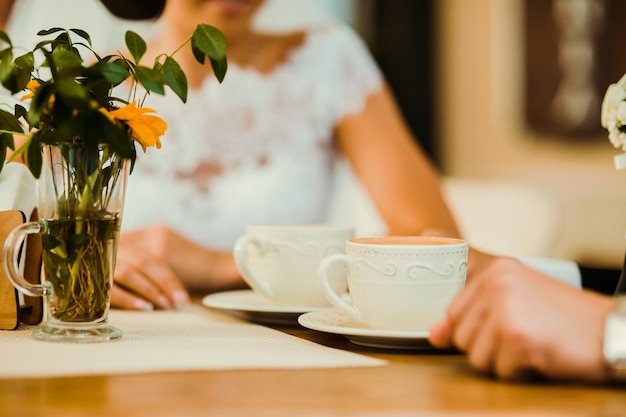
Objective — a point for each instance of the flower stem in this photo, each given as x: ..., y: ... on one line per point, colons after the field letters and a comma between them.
x: 181, y: 45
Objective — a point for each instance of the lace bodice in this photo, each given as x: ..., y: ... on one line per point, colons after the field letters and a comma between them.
x: 256, y: 149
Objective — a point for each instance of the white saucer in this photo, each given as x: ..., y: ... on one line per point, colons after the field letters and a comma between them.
x: 334, y: 321
x: 255, y: 308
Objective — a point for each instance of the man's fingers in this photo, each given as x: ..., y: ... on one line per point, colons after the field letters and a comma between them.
x: 440, y: 335
x: 484, y: 342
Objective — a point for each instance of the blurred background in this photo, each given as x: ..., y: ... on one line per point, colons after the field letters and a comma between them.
x: 496, y: 91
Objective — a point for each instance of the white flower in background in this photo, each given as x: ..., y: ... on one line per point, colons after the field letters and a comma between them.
x: 613, y: 118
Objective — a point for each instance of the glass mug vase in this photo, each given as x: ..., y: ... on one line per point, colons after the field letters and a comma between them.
x: 80, y: 200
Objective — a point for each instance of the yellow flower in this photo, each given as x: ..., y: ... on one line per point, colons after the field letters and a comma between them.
x: 32, y: 86
x: 145, y: 128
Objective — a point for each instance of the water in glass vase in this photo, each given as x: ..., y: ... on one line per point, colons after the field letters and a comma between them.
x: 78, y: 263
x: 78, y: 260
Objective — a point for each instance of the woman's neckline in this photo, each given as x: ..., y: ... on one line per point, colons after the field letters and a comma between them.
x: 295, y: 47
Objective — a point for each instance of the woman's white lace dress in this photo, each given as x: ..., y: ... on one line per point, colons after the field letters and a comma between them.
x: 256, y: 149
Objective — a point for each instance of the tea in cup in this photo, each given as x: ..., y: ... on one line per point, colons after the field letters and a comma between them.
x: 398, y: 283
x: 280, y: 262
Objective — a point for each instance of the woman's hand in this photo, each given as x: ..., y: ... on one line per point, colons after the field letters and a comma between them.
x: 514, y: 321
x: 155, y: 265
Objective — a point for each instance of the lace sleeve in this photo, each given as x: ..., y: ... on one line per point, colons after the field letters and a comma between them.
x: 355, y: 74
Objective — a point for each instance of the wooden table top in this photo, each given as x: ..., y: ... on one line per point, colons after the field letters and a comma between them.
x: 432, y: 383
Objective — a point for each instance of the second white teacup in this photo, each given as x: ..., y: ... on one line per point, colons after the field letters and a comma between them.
x: 280, y: 261
x: 398, y: 283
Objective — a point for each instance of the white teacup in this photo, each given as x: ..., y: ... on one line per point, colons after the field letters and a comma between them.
x: 398, y: 283
x: 280, y: 262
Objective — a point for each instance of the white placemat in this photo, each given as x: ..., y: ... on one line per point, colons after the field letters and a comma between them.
x: 190, y: 340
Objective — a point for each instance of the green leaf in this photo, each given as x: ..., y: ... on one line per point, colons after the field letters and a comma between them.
x: 39, y: 102
x: 65, y: 60
x: 34, y: 158
x: 41, y: 44
x: 23, y: 68
x: 136, y: 45
x: 114, y: 72
x: 8, y: 72
x: 64, y: 132
x: 5, y: 38
x: 210, y: 41
x: 3, y: 155
x: 49, y: 242
x: 10, y: 83
x: 116, y: 137
x: 197, y: 53
x: 150, y: 79
x: 20, y: 111
x: 157, y: 65
x: 219, y: 68
x: 55, y: 247
x: 175, y: 78
x: 62, y: 40
x: 26, y: 61
x: 133, y: 157
x: 70, y: 89
x: 6, y: 65
x: 50, y: 31
x: 7, y: 122
x: 78, y: 241
x: 82, y: 34
x: 10, y: 122
x: 6, y: 141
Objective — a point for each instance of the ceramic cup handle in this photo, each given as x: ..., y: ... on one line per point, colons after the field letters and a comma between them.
x: 240, y: 253
x: 13, y: 246
x: 331, y: 295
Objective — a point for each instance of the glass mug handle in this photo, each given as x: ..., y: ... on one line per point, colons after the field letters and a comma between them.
x: 331, y: 295
x: 10, y: 259
x: 240, y: 253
